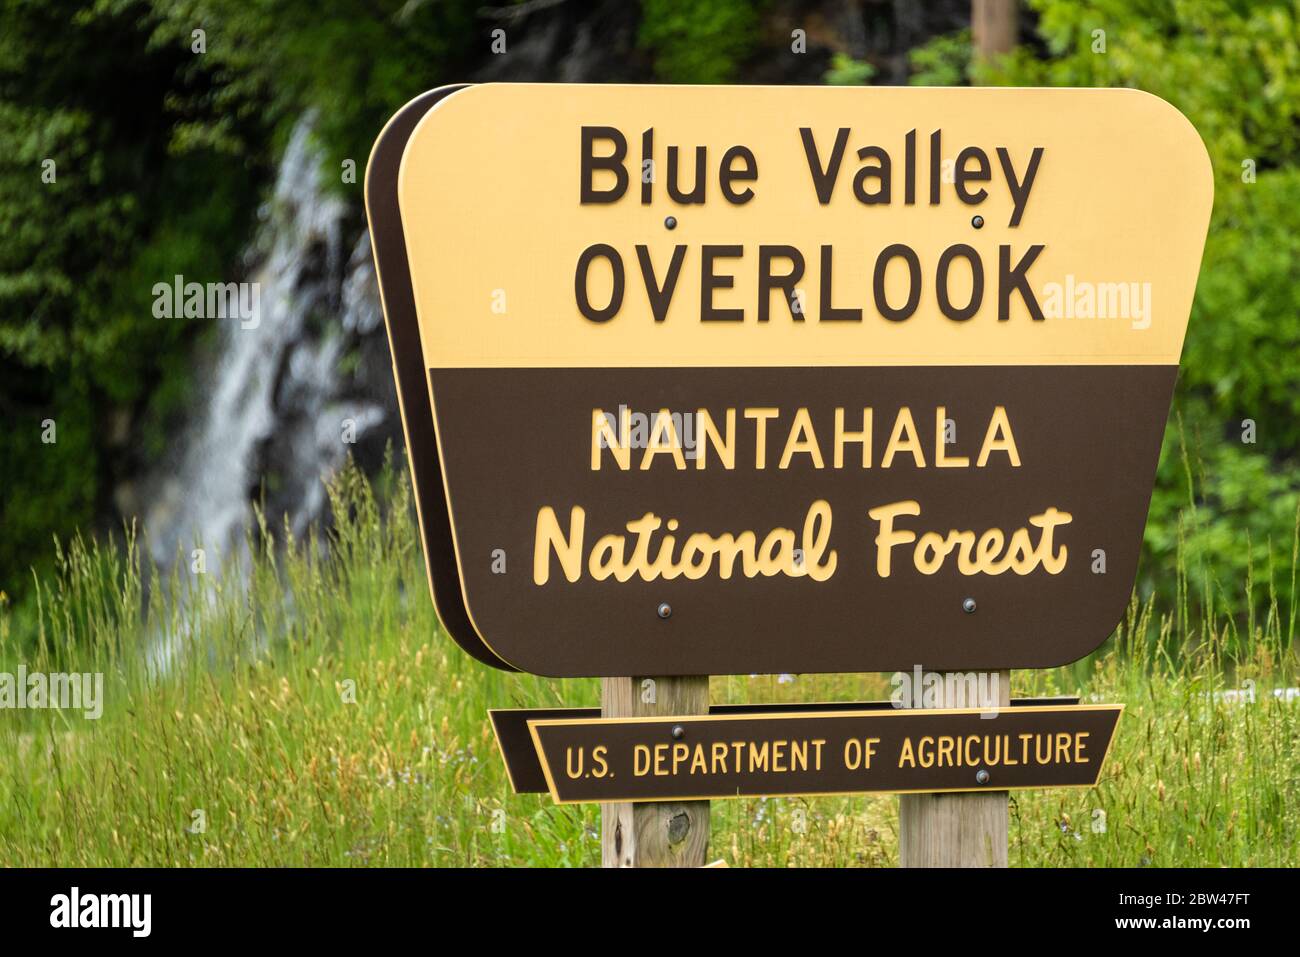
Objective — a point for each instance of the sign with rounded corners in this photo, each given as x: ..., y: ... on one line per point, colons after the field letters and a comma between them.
x: 747, y: 379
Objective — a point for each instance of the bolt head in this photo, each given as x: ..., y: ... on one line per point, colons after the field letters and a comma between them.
x: 968, y: 606
x: 981, y: 776
x: 977, y: 222
x: 671, y: 222
x: 664, y: 610
x: 678, y: 732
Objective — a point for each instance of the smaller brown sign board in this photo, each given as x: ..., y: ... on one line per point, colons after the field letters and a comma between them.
x: 524, y: 765
x: 774, y: 754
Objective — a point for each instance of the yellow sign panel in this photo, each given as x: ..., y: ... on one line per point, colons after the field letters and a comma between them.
x: 650, y: 226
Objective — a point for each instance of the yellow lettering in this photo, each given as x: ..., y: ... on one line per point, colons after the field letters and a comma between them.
x: 760, y: 417
x: 843, y: 438
x: 708, y: 435
x: 802, y: 438
x: 602, y: 436
x: 941, y: 460
x: 663, y: 438
x: 568, y: 551
x: 999, y: 426
x: 897, y: 443
x: 887, y: 538
x: 906, y: 757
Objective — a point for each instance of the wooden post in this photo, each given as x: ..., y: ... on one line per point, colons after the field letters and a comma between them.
x: 654, y: 833
x: 993, y: 27
x: 955, y: 830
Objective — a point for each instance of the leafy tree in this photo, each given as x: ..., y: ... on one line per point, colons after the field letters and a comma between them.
x: 698, y: 41
x: 354, y: 62
x: 846, y: 71
x: 91, y: 185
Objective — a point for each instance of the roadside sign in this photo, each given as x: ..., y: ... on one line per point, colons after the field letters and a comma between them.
x: 732, y: 380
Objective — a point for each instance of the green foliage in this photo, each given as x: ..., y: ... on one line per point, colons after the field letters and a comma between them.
x: 47, y: 486
x: 1233, y: 68
x: 98, y: 201
x: 846, y: 71
x: 1226, y: 517
x: 944, y: 61
x: 1242, y: 344
x: 698, y: 41
x: 87, y: 91
x: 355, y: 63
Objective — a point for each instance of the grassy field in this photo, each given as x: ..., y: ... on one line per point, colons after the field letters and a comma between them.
x: 318, y: 716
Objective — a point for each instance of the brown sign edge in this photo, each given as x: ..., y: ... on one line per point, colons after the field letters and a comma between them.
x: 1117, y: 709
x: 393, y: 272
x: 515, y: 743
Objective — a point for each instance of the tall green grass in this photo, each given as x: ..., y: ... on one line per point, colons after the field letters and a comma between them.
x: 315, y: 714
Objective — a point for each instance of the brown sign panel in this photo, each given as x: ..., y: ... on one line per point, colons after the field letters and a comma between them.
x: 823, y: 752
x: 731, y: 380
x: 1087, y: 438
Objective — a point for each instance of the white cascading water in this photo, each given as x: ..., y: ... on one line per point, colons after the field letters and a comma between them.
x: 269, y: 392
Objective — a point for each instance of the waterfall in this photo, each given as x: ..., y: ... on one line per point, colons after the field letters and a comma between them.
x: 287, y: 392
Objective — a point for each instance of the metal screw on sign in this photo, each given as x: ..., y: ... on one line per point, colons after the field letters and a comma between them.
x: 671, y: 222
x: 981, y: 776
x: 664, y: 610
x: 968, y: 606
